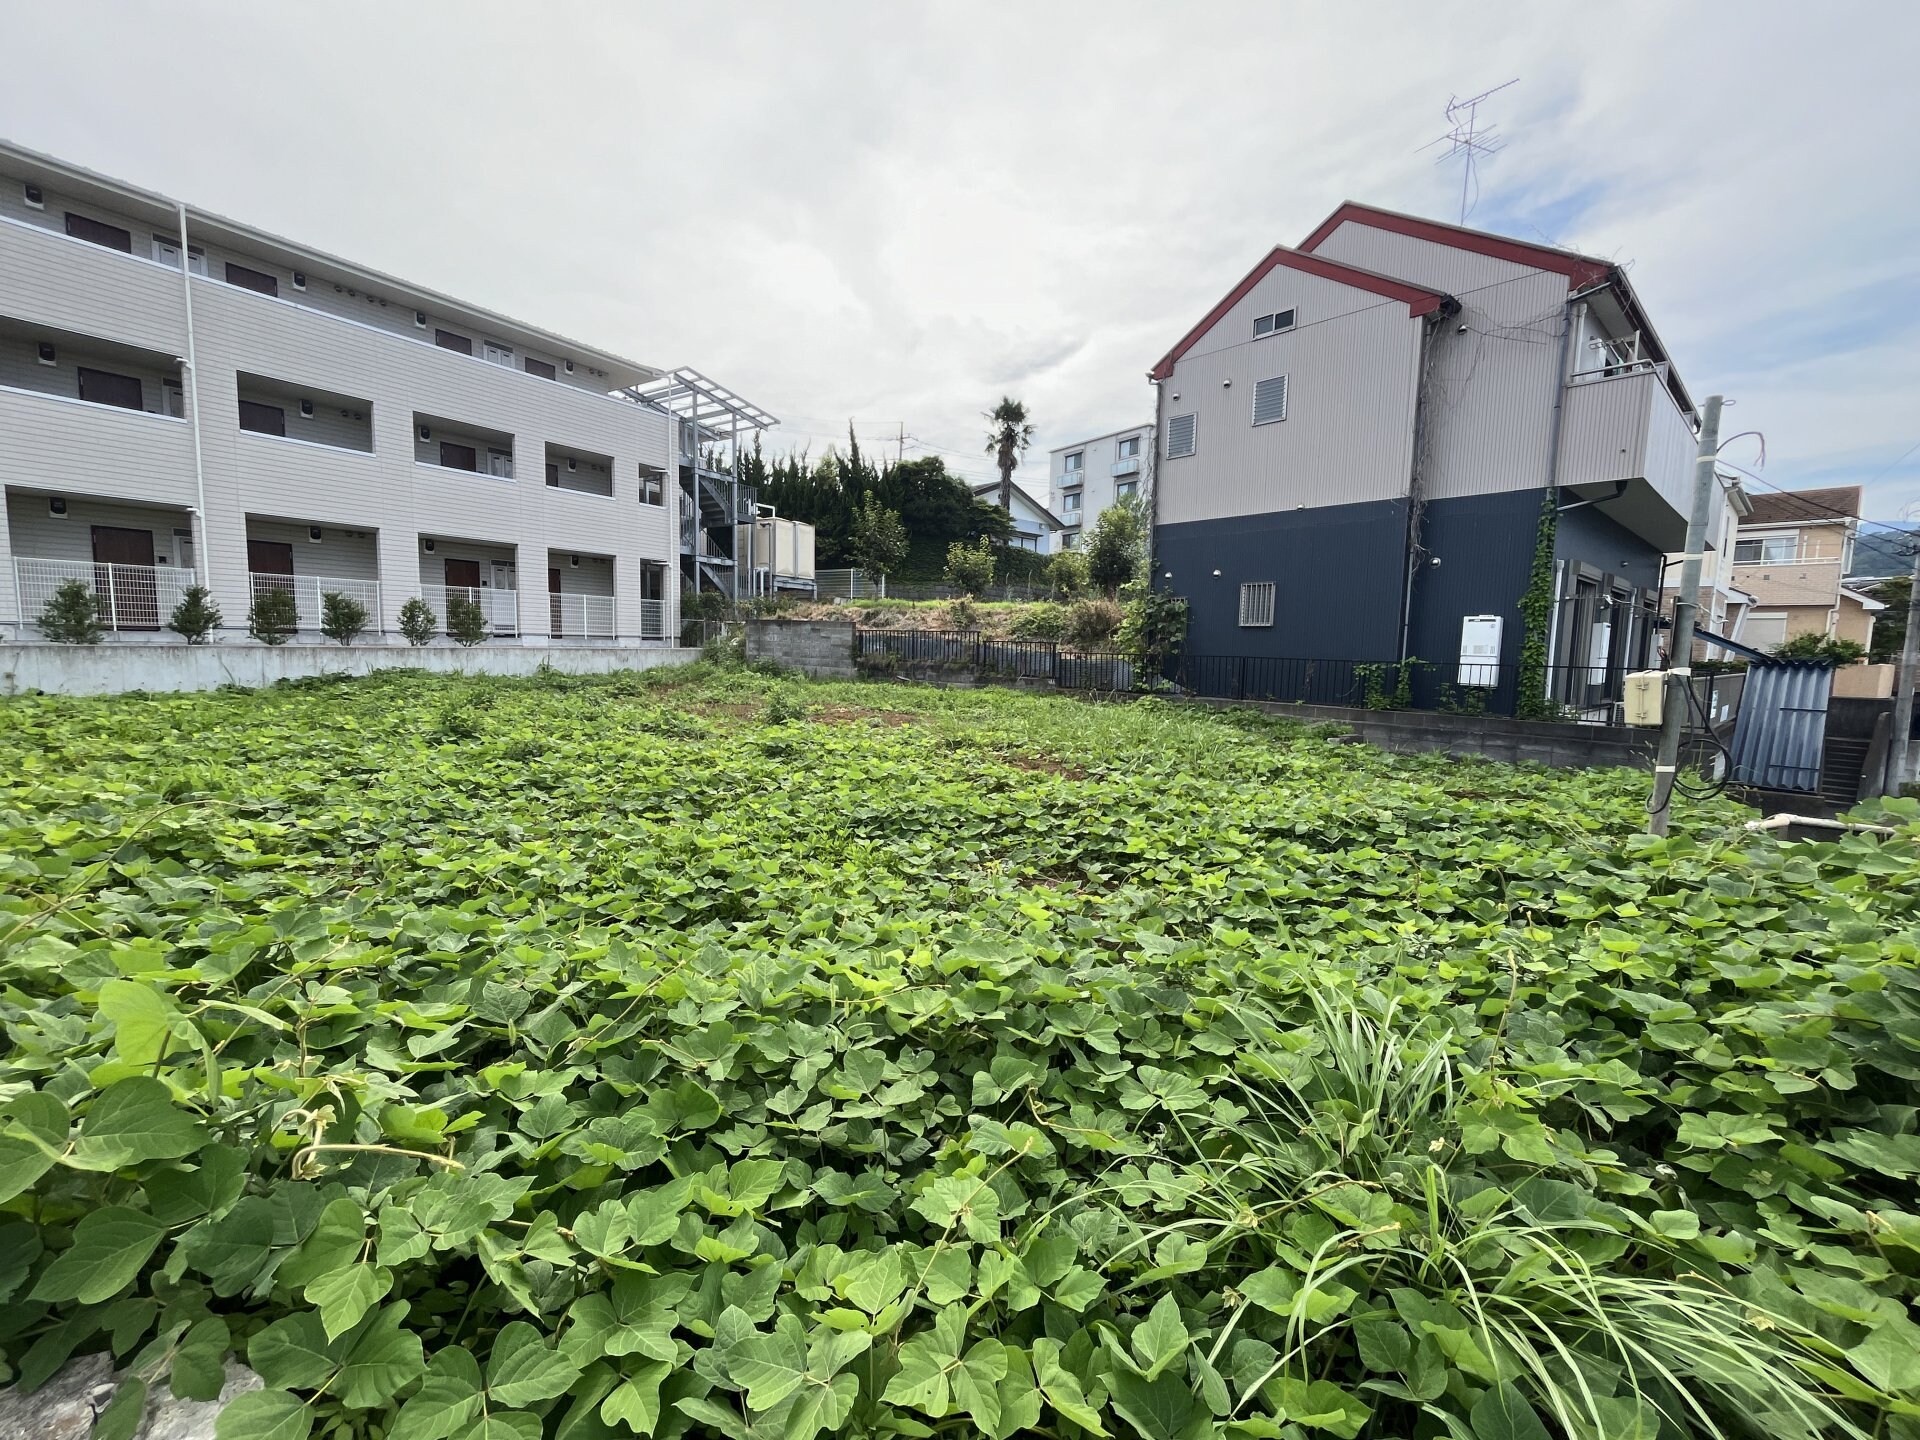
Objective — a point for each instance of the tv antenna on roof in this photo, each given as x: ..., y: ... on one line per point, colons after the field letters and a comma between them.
x: 1469, y: 142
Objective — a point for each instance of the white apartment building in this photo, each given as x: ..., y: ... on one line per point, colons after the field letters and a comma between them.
x: 1086, y: 477
x: 185, y: 397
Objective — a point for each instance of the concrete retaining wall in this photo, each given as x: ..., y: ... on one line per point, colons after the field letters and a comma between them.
x: 113, y: 669
x: 822, y: 649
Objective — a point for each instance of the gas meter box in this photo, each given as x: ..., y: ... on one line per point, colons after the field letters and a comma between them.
x: 1645, y: 702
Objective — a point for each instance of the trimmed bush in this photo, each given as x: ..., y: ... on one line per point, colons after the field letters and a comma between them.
x: 272, y: 618
x: 466, y: 621
x: 73, y: 615
x: 418, y: 622
x: 341, y: 617
x: 196, y: 616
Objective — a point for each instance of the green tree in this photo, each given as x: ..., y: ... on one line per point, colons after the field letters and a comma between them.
x: 1116, y: 548
x: 418, y: 622
x: 1821, y: 647
x: 341, y: 617
x: 73, y: 615
x: 272, y: 618
x: 970, y: 566
x: 879, y: 541
x: 466, y: 621
x: 196, y: 616
x: 1067, y: 572
x: 1009, y: 433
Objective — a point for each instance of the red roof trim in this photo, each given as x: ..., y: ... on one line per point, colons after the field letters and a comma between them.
x: 1417, y: 299
x: 1580, y: 270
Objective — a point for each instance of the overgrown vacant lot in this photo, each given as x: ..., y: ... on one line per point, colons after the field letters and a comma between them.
x: 713, y: 1054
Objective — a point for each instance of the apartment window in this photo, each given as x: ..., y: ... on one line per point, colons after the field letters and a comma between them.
x: 459, y: 457
x: 553, y: 475
x: 1767, y: 550
x: 1070, y: 503
x: 1270, y: 400
x: 262, y: 419
x: 1069, y: 538
x: 1127, y: 449
x: 1075, y: 462
x: 497, y: 354
x: 98, y: 232
x: 447, y: 340
x: 539, y: 367
x: 249, y: 279
x: 1181, y: 434
x: 1126, y: 489
x: 103, y: 387
x: 653, y: 485
x: 1256, y: 604
x: 1272, y: 324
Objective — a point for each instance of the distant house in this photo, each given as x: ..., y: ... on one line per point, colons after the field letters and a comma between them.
x: 1792, y: 554
x: 1087, y: 476
x: 1358, y: 442
x: 1034, y: 526
x: 1723, y: 605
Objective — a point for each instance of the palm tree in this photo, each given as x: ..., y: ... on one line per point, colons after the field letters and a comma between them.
x: 1008, y: 437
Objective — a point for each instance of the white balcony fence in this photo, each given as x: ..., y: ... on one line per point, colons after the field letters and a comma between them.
x: 501, y: 606
x: 581, y: 617
x: 307, y: 591
x: 132, y: 597
x: 1128, y: 466
x: 653, y: 619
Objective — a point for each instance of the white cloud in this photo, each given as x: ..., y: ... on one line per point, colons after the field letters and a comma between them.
x: 896, y: 213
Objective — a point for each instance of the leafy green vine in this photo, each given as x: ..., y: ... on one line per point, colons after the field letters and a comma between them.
x: 1536, y: 617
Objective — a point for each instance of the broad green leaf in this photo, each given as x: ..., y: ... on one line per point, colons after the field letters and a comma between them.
x: 293, y: 1353
x: 1062, y: 1388
x: 345, y: 1295
x: 523, y: 1370
x: 771, y: 1367
x: 264, y: 1415
x: 123, y: 1413
x: 1159, y: 1409
x: 819, y: 1407
x: 448, y: 1398
x: 143, y: 1020
x: 131, y: 1121
x: 963, y: 1200
x: 1160, y: 1339
x: 109, y: 1247
x: 1502, y: 1413
x: 33, y: 1131
x: 635, y: 1402
x: 382, y: 1360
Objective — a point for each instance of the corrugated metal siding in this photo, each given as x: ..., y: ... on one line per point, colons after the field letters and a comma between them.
x: 1627, y: 427
x: 1490, y: 416
x: 1780, y: 736
x: 1348, y: 436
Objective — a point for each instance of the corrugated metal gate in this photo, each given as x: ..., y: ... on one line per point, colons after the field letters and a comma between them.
x: 1780, y: 737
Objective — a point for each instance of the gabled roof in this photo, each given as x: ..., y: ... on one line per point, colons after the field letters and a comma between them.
x: 1580, y: 270
x: 992, y: 487
x: 1802, y: 507
x: 1417, y: 298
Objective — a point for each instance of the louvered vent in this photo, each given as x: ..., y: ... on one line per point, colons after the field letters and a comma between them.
x: 1270, y: 400
x: 1180, y: 435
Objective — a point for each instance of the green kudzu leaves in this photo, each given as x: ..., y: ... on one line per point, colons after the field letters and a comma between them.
x: 582, y: 1069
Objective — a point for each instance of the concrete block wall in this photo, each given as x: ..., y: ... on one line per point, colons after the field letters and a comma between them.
x: 822, y: 649
x: 116, y: 669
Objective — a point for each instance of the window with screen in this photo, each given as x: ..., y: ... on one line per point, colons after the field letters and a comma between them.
x: 1256, y: 604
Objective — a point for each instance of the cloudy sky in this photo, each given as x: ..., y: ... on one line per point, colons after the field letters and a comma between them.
x: 895, y: 213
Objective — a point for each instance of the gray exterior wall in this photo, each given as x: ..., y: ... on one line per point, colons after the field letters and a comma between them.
x: 1351, y: 361
x: 50, y: 444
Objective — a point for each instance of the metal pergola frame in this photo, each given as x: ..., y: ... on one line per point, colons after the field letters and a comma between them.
x: 718, y: 416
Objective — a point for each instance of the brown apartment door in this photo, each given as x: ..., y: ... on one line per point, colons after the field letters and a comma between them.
x: 553, y: 599
x: 123, y: 577
x: 463, y: 574
x: 271, y: 563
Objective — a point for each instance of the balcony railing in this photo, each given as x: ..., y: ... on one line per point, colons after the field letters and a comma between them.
x: 1128, y: 466
x: 308, y: 590
x: 653, y: 619
x: 132, y: 597
x: 500, y: 605
x: 581, y: 617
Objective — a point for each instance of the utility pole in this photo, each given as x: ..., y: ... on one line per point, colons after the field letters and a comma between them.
x: 1677, y: 695
x: 901, y: 459
x: 1904, y: 680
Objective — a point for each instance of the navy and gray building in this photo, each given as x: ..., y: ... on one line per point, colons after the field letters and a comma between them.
x: 1357, y: 445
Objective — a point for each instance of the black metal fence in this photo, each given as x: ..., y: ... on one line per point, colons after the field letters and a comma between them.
x: 1006, y: 659
x: 1581, y: 694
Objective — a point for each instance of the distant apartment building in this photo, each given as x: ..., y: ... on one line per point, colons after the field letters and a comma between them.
x: 1034, y: 526
x: 1792, y: 554
x: 1086, y: 477
x: 186, y: 398
x: 1358, y: 445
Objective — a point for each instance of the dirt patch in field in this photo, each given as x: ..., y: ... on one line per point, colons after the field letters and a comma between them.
x: 860, y: 715
x: 1045, y: 765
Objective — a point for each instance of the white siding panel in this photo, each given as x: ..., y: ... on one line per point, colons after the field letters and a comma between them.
x: 67, y: 446
x: 1352, y: 361
x: 71, y: 285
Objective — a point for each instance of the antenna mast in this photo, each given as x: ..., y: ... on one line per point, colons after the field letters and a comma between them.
x: 1467, y: 141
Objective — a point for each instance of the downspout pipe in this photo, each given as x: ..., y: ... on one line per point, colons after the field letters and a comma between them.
x: 1414, y: 477
x: 202, y: 556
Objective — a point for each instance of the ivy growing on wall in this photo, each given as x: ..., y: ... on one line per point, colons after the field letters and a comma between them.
x: 1536, y: 617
